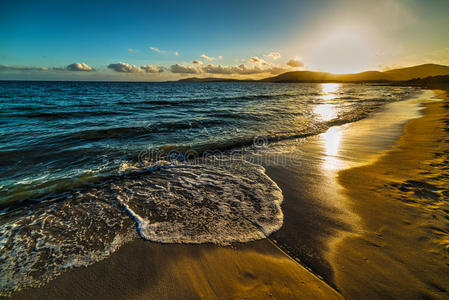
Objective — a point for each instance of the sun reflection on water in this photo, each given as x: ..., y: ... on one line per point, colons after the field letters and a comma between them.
x: 328, y: 90
x: 326, y: 112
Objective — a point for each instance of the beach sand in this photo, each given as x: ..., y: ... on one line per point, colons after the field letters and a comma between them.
x: 346, y: 230
x: 402, y: 251
x: 144, y: 270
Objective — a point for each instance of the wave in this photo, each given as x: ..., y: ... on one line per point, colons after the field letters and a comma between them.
x: 177, y: 203
x: 134, y: 131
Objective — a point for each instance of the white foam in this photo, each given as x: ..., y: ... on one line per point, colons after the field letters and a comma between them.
x: 233, y: 202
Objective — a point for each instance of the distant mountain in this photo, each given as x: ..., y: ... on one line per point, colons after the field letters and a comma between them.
x: 212, y: 79
x: 402, y: 74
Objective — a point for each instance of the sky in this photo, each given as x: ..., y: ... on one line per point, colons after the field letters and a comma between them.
x: 169, y: 40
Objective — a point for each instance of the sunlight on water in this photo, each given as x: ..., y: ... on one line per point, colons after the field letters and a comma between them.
x: 328, y: 90
x: 326, y: 112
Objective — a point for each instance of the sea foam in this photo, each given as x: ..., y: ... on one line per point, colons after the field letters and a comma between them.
x: 179, y: 203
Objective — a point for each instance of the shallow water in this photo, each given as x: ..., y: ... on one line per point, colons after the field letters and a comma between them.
x: 93, y: 162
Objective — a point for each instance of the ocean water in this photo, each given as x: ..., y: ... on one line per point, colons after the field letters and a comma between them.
x: 87, y: 166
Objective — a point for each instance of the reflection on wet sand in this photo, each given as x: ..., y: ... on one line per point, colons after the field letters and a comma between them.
x: 331, y: 143
x: 385, y: 190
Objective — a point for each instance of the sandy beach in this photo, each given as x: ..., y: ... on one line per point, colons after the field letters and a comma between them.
x: 143, y: 270
x: 402, y: 199
x: 365, y: 217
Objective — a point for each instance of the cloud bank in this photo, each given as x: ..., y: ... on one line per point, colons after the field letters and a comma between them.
x: 255, y: 65
x: 72, y: 67
x: 122, y: 67
x: 21, y: 68
x: 182, y: 69
x: 242, y: 69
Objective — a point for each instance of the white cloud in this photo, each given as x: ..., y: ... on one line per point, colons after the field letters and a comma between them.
x: 181, y: 69
x: 197, y: 62
x: 127, y: 68
x: 80, y: 67
x: 155, y: 49
x: 130, y: 50
x: 295, y: 63
x: 274, y: 55
x: 176, y: 53
x: 220, y: 57
x: 205, y: 57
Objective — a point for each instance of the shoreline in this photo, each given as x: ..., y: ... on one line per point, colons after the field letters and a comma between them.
x: 144, y: 269
x: 402, y: 200
x: 317, y: 212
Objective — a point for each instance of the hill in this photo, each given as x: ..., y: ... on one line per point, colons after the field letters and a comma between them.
x: 402, y: 74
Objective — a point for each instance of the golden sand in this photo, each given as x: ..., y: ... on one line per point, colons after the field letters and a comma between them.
x: 145, y: 270
x: 402, y: 198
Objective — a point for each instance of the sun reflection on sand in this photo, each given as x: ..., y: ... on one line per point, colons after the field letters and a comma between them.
x: 331, y: 142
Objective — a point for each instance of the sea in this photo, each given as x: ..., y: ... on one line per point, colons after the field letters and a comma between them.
x: 86, y: 167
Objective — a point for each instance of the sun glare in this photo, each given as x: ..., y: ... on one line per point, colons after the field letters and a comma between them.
x: 341, y: 52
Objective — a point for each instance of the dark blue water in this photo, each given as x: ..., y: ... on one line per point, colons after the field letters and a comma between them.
x: 79, y: 157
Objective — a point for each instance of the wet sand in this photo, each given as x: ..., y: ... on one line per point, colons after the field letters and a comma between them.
x: 402, y: 249
x: 342, y: 229
x: 144, y: 270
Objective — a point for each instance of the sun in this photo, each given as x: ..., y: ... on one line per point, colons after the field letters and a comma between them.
x: 341, y: 52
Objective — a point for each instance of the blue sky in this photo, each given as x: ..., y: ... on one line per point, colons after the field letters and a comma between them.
x: 336, y: 36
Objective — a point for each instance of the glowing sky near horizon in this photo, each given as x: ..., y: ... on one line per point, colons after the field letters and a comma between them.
x: 162, y: 40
